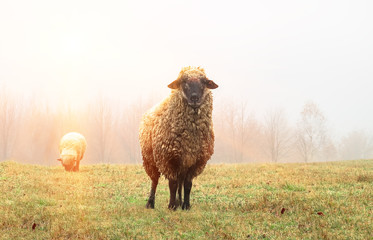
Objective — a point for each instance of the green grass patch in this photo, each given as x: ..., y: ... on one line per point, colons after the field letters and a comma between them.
x: 293, y: 188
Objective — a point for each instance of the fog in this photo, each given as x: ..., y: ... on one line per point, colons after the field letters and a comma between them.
x: 279, y: 64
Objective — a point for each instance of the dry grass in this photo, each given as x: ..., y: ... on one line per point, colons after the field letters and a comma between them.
x: 253, y: 201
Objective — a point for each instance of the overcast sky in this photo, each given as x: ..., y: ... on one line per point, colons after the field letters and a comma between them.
x: 272, y: 54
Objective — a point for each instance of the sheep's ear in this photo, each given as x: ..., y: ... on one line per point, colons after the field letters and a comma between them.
x: 175, y: 84
x: 210, y: 84
x: 59, y: 159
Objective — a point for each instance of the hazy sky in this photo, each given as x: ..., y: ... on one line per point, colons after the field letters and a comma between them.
x: 269, y: 53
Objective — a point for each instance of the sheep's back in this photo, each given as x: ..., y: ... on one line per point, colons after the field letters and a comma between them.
x: 73, y: 144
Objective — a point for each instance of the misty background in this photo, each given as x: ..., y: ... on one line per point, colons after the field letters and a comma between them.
x: 295, y: 78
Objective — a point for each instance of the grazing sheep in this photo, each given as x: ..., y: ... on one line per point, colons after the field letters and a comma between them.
x: 176, y: 136
x: 72, y: 148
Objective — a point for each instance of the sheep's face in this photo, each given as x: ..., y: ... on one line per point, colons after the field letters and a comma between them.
x: 68, y: 162
x: 193, y: 85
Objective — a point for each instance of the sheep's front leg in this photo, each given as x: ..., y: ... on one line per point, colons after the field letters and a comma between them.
x: 172, y: 184
x: 187, y: 189
x: 76, y: 167
x: 151, y: 200
x: 179, y: 200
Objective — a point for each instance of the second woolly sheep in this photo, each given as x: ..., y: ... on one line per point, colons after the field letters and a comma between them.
x: 72, y: 149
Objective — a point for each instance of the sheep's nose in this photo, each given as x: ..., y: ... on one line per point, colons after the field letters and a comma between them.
x: 194, y: 97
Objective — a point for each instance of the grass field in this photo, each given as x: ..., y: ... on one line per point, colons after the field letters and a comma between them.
x: 252, y: 201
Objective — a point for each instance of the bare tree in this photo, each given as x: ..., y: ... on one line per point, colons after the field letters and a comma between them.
x: 356, y: 145
x: 249, y: 135
x: 242, y: 130
x: 237, y: 133
x: 102, y: 129
x: 128, y: 129
x: 311, y: 133
x: 36, y: 127
x: 70, y: 119
x: 39, y: 132
x: 277, y: 135
x: 227, y: 134
x: 10, y: 112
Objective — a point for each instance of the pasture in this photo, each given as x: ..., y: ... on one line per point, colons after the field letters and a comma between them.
x: 331, y: 200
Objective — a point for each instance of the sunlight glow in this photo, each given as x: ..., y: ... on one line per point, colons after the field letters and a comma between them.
x: 72, y: 46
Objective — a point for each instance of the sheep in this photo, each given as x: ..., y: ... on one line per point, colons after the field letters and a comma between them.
x: 72, y: 149
x: 177, y: 137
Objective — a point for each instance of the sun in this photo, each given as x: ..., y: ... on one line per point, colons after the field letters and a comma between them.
x: 72, y: 45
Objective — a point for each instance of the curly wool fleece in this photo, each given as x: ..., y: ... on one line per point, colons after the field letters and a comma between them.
x: 72, y: 148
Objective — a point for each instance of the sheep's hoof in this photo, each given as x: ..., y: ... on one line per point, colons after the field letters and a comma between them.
x: 172, y: 207
x: 186, y: 206
x: 150, y: 204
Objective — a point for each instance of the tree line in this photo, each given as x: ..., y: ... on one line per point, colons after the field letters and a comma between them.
x: 31, y: 128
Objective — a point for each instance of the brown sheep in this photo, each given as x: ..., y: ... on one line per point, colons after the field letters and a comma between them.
x: 176, y: 136
x: 72, y: 149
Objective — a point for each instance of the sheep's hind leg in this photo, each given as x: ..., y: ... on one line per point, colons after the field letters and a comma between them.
x: 187, y: 189
x: 172, y: 184
x: 151, y: 200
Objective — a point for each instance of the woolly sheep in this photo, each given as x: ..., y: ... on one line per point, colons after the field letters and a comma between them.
x: 176, y: 136
x: 72, y: 149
